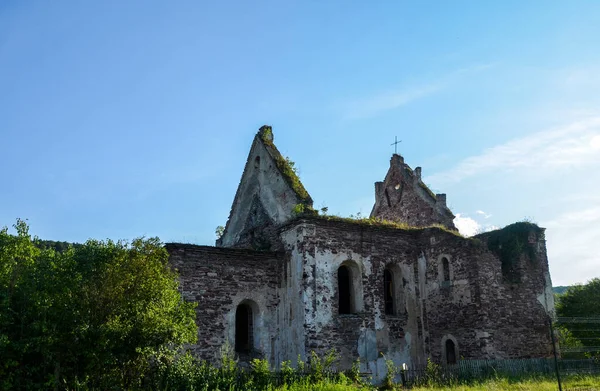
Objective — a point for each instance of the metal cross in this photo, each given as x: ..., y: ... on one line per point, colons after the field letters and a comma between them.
x: 395, y: 144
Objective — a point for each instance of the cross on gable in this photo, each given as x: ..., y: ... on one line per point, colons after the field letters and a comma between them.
x: 395, y: 144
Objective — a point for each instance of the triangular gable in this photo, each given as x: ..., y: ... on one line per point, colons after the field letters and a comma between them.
x: 403, y: 197
x: 266, y: 197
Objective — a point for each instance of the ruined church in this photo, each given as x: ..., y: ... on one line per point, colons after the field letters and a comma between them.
x: 284, y: 280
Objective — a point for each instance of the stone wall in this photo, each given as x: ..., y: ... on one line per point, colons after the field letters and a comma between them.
x: 519, y: 309
x: 403, y: 197
x: 219, y: 279
x: 432, y: 307
x: 445, y: 288
x: 264, y: 200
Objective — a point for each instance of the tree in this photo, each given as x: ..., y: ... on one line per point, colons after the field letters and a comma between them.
x: 579, y: 314
x: 98, y: 314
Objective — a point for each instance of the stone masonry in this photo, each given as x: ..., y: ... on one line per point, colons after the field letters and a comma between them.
x: 283, y: 281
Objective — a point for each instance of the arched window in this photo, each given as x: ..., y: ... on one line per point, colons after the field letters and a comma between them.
x: 450, y: 352
x: 446, y: 268
x: 244, y: 328
x: 345, y: 290
x: 393, y: 290
x: 350, y: 291
x: 388, y: 291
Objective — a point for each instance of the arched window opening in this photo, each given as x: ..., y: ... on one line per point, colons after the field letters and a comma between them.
x: 450, y: 352
x: 345, y: 290
x: 446, y: 268
x: 257, y: 162
x: 388, y: 287
x: 244, y: 328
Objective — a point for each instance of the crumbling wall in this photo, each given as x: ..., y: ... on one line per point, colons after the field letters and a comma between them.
x: 219, y: 279
x: 516, y: 287
x: 446, y: 287
x: 451, y: 299
x: 268, y: 192
x: 403, y: 197
x: 485, y: 317
x: 367, y: 332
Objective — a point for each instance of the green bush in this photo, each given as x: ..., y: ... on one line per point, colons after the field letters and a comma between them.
x: 97, y: 315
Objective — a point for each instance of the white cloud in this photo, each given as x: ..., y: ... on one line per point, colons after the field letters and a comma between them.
x: 595, y: 142
x: 571, y: 146
x: 466, y: 225
x: 571, y: 240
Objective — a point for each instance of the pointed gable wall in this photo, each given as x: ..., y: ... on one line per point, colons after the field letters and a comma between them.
x: 266, y: 197
x: 403, y: 197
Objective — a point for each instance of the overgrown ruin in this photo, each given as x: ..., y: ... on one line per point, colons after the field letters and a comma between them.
x: 283, y: 281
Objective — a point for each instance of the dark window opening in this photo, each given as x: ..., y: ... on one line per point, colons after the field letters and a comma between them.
x: 388, y: 287
x: 344, y: 290
x: 450, y: 352
x: 446, y: 267
x: 244, y: 325
x: 257, y: 162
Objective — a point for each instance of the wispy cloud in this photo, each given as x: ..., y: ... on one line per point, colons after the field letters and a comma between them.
x: 381, y: 102
x: 482, y: 213
x: 572, y: 239
x: 571, y: 146
x: 377, y: 104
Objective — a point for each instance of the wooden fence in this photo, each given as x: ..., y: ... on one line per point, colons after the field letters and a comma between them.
x: 484, y: 369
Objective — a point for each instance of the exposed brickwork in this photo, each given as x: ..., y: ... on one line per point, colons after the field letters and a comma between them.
x: 219, y: 280
x: 297, y: 295
x: 403, y: 197
x: 490, y: 297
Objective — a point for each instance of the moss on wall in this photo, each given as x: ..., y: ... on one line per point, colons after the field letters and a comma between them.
x: 510, y: 244
x: 285, y: 165
x: 427, y: 190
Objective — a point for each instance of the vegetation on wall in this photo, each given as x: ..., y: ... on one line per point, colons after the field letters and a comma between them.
x: 95, y: 315
x: 427, y: 190
x: 286, y: 166
x: 219, y: 231
x: 302, y: 211
x: 510, y: 243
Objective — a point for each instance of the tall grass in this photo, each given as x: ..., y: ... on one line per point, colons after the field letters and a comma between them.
x: 319, y: 374
x: 189, y: 373
x: 591, y: 383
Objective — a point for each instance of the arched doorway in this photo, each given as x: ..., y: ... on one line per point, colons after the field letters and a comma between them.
x: 450, y: 352
x: 344, y: 290
x: 244, y: 328
x: 388, y: 286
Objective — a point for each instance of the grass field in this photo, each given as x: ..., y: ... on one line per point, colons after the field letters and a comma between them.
x: 573, y: 383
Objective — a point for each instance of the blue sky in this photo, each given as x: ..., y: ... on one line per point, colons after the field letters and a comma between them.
x: 122, y: 119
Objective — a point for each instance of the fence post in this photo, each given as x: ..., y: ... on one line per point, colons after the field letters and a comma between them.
x: 555, y: 356
x: 403, y: 375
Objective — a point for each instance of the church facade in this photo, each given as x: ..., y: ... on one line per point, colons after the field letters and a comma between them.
x: 403, y: 285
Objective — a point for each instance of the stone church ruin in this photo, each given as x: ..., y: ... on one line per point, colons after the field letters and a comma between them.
x: 283, y: 281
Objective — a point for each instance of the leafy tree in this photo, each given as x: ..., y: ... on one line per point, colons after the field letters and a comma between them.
x: 580, y: 316
x: 97, y: 315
